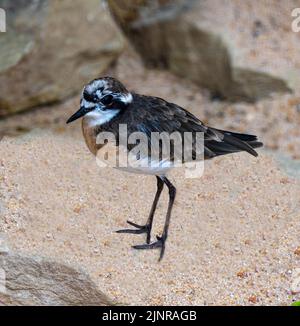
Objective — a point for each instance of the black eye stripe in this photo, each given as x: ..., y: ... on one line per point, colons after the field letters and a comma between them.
x: 89, y: 97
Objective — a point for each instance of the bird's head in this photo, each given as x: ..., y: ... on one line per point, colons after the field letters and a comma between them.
x: 102, y: 99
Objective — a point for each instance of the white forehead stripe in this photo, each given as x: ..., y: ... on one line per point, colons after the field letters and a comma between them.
x: 86, y: 104
x: 101, y: 88
x: 96, y: 84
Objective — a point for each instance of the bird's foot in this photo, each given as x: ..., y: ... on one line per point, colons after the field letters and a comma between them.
x: 139, y: 230
x: 160, y: 243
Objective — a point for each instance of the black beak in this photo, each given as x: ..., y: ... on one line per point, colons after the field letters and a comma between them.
x: 80, y: 113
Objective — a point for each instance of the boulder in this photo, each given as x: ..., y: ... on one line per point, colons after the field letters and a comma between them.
x: 3, y: 241
x: 240, y: 50
x: 28, y: 281
x: 51, y: 49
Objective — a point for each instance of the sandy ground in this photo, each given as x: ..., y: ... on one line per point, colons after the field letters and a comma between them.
x: 234, y: 233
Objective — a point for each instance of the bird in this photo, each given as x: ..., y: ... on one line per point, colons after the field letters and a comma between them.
x: 106, y: 104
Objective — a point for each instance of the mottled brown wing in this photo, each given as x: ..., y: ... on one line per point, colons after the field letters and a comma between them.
x: 155, y: 114
x: 152, y: 114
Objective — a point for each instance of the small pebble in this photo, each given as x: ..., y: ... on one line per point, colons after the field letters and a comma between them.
x: 253, y: 299
x: 242, y: 274
x: 297, y: 251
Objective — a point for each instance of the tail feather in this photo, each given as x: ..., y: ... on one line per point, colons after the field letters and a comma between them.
x: 239, y: 144
x: 231, y: 143
x: 243, y: 137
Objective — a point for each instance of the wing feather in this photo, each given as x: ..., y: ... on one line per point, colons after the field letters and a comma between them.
x: 152, y: 114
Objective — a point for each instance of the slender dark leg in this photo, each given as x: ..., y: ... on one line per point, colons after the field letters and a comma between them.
x: 160, y: 186
x: 148, y: 226
x: 160, y: 243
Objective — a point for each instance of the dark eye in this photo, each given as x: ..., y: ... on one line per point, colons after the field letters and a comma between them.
x: 106, y: 100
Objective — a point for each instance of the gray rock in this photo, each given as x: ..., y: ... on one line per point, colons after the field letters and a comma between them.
x: 51, y: 49
x: 36, y: 281
x: 3, y: 243
x: 295, y: 286
x: 211, y: 42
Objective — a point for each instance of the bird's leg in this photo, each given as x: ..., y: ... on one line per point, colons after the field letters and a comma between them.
x: 160, y: 243
x: 160, y: 186
x: 148, y: 226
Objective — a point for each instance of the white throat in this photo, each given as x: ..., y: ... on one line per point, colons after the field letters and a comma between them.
x: 100, y: 117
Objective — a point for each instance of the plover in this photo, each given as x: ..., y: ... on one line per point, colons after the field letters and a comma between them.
x: 106, y: 104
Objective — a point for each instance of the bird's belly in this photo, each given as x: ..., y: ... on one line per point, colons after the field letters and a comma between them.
x: 152, y: 168
x: 121, y: 159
